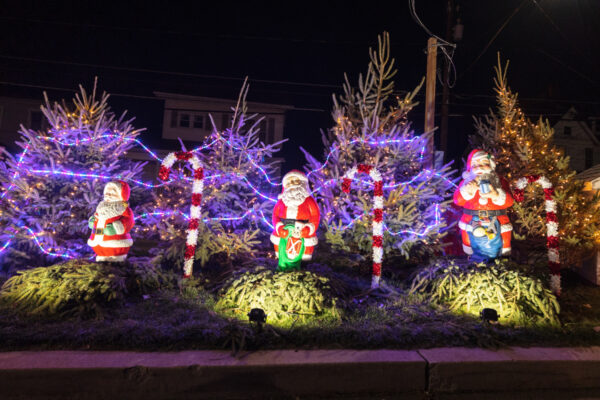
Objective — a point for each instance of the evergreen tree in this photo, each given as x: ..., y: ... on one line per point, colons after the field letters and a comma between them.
x: 52, y: 187
x: 371, y: 127
x: 236, y: 199
x: 522, y: 148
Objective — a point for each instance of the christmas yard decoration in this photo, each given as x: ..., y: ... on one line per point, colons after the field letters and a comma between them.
x: 485, y: 196
x: 523, y: 147
x: 377, y: 215
x: 111, y: 223
x: 295, y: 222
x: 288, y: 300
x: 518, y: 298
x: 551, y: 224
x: 195, y: 214
x: 372, y: 127
x: 52, y: 186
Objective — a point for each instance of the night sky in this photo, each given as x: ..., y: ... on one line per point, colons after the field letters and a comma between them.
x: 297, y: 52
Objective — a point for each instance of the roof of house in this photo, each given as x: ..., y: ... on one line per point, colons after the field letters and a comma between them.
x: 590, y: 174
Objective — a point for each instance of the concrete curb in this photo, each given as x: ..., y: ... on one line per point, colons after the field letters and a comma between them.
x: 444, y: 373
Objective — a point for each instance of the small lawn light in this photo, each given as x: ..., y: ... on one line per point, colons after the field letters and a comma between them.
x: 488, y: 315
x: 258, y: 316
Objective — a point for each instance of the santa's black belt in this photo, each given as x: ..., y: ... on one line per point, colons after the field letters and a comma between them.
x: 99, y: 231
x: 484, y: 213
x: 287, y: 221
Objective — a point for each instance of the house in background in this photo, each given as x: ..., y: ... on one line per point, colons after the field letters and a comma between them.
x: 17, y: 111
x: 579, y: 137
x: 187, y: 117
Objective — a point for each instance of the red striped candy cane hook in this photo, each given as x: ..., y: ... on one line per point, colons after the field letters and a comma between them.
x: 551, y: 224
x: 377, y: 214
x: 195, y: 215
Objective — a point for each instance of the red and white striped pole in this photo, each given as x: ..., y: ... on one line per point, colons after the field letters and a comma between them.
x: 377, y: 214
x: 195, y: 214
x: 551, y: 224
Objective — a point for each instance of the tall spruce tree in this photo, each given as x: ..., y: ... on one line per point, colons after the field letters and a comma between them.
x: 236, y: 199
x: 50, y: 189
x: 522, y: 148
x: 372, y: 127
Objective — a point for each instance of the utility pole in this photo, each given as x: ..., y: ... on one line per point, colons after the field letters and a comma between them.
x: 445, y: 88
x: 430, y: 95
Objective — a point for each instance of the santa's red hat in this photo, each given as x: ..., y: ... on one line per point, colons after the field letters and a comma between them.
x: 295, y: 174
x: 478, y: 154
x: 121, y: 187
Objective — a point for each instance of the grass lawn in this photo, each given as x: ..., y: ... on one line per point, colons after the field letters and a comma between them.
x: 179, y: 316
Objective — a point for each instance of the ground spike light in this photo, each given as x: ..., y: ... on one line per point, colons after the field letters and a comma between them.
x: 377, y: 214
x: 197, y: 188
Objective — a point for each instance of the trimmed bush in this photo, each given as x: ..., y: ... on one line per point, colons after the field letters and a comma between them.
x: 77, y: 287
x: 518, y: 299
x: 288, y: 298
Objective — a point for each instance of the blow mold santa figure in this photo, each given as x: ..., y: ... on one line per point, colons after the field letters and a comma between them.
x: 111, y: 224
x: 485, y: 198
x: 295, y: 221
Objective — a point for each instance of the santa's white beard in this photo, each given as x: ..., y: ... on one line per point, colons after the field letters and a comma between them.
x: 482, y: 170
x: 110, y: 209
x: 294, y: 195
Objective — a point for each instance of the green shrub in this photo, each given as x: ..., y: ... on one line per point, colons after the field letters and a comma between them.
x: 518, y: 299
x: 77, y: 287
x: 289, y: 299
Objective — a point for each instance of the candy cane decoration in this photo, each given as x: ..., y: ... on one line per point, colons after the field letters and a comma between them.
x: 377, y: 214
x: 197, y: 188
x: 551, y: 224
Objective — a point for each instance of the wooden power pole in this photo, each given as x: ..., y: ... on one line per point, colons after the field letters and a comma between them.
x: 446, y: 78
x: 430, y: 94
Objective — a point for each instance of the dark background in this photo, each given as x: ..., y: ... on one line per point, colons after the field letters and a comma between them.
x: 296, y: 53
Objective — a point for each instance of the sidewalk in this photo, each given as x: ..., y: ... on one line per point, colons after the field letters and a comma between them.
x: 443, y: 373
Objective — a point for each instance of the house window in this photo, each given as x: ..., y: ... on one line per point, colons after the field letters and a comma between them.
x: 199, y: 122
x: 567, y: 131
x: 184, y: 120
x: 36, y: 120
x: 589, y: 158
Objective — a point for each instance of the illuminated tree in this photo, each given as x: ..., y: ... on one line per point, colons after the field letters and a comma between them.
x: 522, y: 148
x: 50, y: 189
x: 371, y: 127
x: 236, y: 199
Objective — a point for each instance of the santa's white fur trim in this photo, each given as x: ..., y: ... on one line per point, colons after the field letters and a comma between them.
x: 467, y: 249
x: 506, y: 250
x: 465, y: 227
x: 112, y: 244
x: 311, y: 228
x: 483, y: 201
x: 378, y: 202
x: 275, y: 239
x: 311, y: 241
x: 306, y: 257
x: 111, y: 258
x: 506, y: 228
x: 464, y: 194
x: 119, y: 227
x: 501, y: 197
x: 555, y: 284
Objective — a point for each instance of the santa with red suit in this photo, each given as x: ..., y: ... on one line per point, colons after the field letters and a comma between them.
x: 485, y: 198
x: 111, y: 224
x: 295, y: 207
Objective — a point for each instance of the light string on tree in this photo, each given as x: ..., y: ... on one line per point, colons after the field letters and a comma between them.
x: 197, y: 188
x: 552, y: 240
x: 377, y: 214
x: 117, y: 138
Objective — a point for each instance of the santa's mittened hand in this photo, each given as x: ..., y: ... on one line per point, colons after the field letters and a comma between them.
x: 91, y: 222
x: 282, y: 232
x: 110, y: 230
